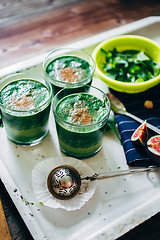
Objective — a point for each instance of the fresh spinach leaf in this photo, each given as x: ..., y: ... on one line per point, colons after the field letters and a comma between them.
x: 129, y: 66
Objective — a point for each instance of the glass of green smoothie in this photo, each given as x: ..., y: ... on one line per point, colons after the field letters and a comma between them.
x: 81, y: 116
x: 25, y: 100
x: 68, y: 67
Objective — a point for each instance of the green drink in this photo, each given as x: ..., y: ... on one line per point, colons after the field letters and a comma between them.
x: 25, y: 105
x: 69, y: 68
x: 81, y: 119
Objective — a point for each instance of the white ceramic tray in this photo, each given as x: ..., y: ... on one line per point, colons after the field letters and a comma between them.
x: 118, y: 205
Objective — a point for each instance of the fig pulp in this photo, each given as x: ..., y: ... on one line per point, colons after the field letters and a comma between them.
x: 140, y: 135
x: 153, y: 145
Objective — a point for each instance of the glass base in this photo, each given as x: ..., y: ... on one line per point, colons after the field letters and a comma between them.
x: 32, y: 143
x: 81, y: 157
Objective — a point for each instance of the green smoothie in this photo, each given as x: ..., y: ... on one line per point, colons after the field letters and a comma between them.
x: 68, y: 68
x: 25, y: 106
x: 84, y: 120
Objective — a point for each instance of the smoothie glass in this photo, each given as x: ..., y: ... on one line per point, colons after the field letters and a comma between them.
x: 78, y: 59
x: 79, y: 140
x: 26, y: 126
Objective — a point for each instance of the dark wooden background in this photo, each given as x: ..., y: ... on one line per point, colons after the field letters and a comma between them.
x: 30, y: 27
x: 25, y: 35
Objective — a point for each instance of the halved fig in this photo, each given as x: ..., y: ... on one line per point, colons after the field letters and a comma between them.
x: 140, y: 135
x: 153, y: 145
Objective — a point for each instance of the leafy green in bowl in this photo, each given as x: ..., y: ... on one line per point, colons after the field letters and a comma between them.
x: 128, y: 63
x: 130, y: 66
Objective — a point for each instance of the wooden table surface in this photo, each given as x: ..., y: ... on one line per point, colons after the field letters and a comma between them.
x: 40, y: 26
x: 37, y: 32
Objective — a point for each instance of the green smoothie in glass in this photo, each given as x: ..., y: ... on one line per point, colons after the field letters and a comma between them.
x: 25, y: 105
x: 81, y: 119
x: 69, y: 68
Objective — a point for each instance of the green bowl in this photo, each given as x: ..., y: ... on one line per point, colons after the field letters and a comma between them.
x: 121, y: 43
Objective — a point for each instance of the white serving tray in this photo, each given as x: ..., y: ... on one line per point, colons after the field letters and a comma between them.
x: 118, y: 205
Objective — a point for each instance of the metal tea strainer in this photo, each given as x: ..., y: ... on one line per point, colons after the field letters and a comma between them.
x: 64, y: 181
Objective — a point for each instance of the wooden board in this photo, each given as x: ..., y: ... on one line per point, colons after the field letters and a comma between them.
x: 36, y: 32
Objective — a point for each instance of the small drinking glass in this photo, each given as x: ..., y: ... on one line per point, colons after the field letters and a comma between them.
x: 81, y: 116
x: 67, y: 67
x: 25, y: 100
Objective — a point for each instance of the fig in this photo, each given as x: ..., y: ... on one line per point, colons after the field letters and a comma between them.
x: 140, y: 135
x: 153, y: 145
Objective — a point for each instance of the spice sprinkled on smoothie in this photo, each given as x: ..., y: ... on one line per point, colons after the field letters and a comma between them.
x: 24, y: 95
x: 69, y: 69
x: 81, y: 109
x: 70, y: 74
x: 81, y: 116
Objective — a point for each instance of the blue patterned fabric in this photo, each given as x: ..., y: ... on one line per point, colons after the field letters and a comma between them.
x: 134, y: 103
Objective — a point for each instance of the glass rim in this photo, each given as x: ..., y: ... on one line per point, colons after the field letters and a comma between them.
x: 69, y: 50
x: 34, y: 110
x: 87, y: 125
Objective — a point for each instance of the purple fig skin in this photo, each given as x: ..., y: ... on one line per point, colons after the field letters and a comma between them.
x: 138, y: 142
x: 153, y: 154
x: 141, y: 140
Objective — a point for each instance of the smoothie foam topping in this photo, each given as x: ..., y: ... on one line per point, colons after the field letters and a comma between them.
x: 24, y: 95
x: 68, y: 69
x: 81, y: 109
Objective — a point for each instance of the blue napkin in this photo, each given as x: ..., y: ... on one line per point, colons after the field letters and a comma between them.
x: 134, y: 103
